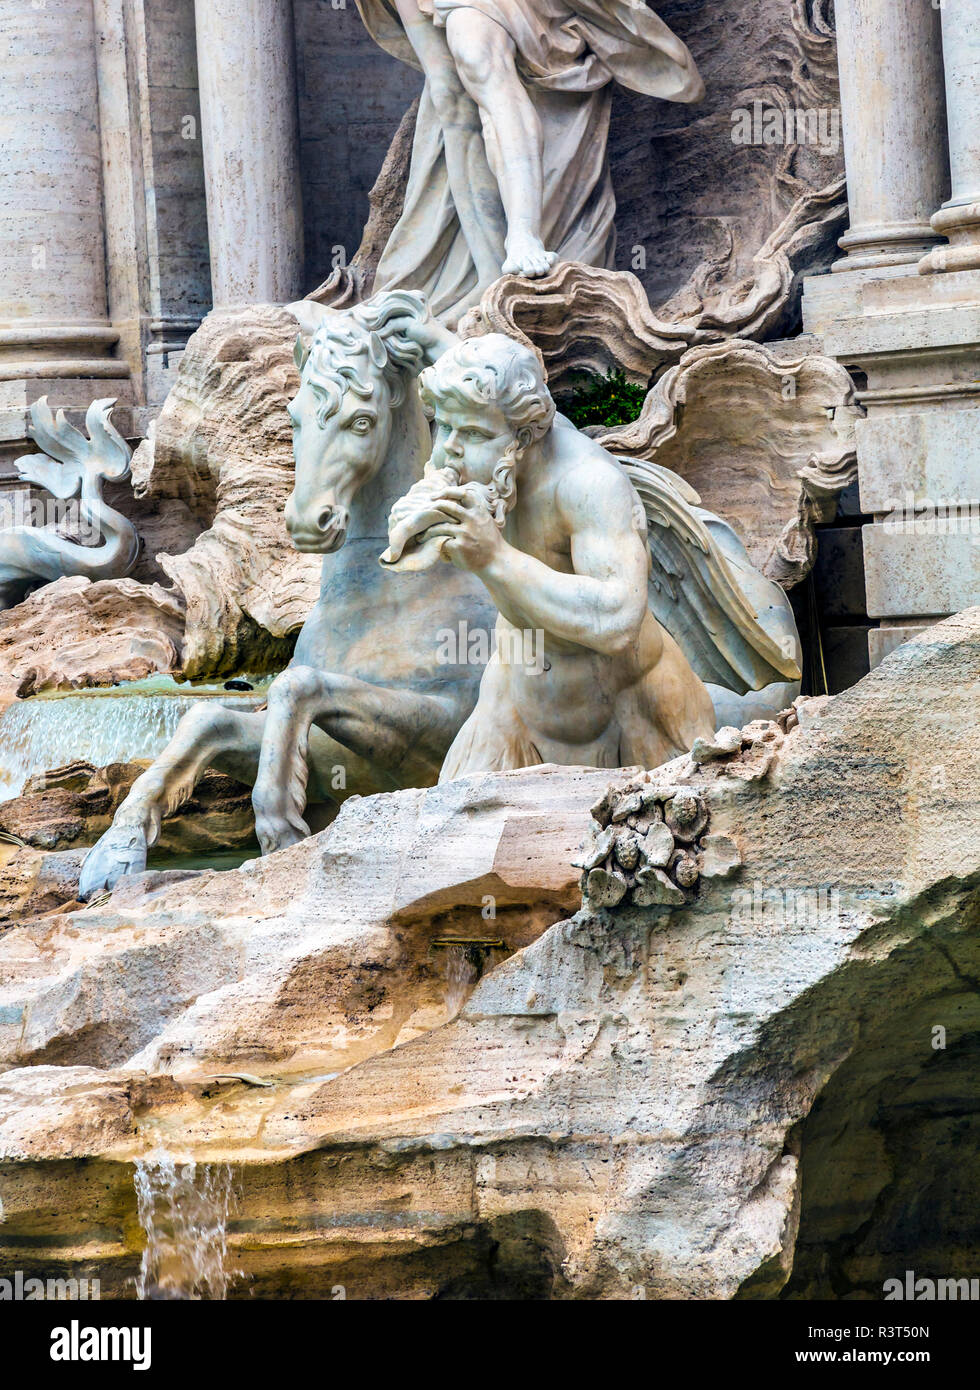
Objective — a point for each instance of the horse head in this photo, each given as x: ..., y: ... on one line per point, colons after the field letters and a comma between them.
x: 355, y: 374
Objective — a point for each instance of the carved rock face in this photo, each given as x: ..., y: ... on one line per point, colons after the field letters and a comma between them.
x: 732, y: 232
x: 645, y: 846
x: 778, y: 1063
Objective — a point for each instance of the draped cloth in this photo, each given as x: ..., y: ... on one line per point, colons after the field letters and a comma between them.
x: 568, y: 54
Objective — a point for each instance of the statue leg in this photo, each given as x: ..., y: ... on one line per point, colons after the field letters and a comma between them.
x: 471, y: 182
x: 208, y: 735
x: 392, y: 738
x: 486, y: 61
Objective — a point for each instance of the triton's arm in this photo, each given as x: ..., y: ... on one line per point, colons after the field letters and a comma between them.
x: 603, y: 603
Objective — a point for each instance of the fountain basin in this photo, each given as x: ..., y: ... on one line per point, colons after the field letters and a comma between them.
x: 103, y: 725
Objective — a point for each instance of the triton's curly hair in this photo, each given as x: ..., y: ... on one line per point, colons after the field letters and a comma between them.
x: 495, y: 370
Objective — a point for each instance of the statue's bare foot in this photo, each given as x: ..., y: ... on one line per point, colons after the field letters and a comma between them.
x: 526, y: 256
x: 119, y: 852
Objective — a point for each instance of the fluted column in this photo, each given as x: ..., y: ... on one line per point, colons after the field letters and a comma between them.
x: 53, y: 313
x: 892, y: 99
x: 959, y: 219
x: 247, y: 74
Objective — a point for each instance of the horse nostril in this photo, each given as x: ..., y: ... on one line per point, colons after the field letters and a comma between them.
x: 326, y: 518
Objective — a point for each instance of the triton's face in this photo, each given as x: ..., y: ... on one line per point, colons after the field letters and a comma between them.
x: 472, y: 440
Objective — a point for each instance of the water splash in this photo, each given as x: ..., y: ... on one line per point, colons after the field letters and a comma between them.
x: 462, y: 973
x: 101, y: 726
x: 184, y: 1210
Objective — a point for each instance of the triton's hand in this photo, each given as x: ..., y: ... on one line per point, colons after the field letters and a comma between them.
x: 430, y: 335
x: 474, y: 534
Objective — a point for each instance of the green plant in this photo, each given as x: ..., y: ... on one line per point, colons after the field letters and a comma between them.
x: 602, y: 400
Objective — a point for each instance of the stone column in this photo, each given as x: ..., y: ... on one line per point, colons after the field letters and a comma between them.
x: 55, y: 337
x: 959, y: 219
x: 892, y: 99
x: 247, y: 75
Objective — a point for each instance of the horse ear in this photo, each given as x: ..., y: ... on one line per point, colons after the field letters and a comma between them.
x: 301, y: 352
x: 309, y: 315
x: 379, y: 353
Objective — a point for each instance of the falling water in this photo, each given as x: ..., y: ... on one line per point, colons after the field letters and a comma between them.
x: 99, y: 726
x: 461, y: 975
x: 184, y: 1210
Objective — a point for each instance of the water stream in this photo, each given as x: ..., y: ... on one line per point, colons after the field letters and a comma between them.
x: 462, y: 974
x: 184, y: 1209
x: 100, y: 726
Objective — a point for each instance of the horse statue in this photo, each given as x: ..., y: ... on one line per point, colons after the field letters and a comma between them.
x: 369, y: 702
x: 70, y: 466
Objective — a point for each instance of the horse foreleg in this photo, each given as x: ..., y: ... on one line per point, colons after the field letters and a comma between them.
x: 207, y: 735
x: 390, y: 739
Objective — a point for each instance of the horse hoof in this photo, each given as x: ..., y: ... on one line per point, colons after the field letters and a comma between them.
x: 121, y: 851
x: 277, y: 833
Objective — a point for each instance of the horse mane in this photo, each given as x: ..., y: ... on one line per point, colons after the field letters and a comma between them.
x: 350, y: 342
x: 223, y: 445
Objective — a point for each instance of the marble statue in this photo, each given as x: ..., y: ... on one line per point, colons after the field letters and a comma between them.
x: 372, y: 701
x: 509, y: 171
x: 620, y: 582
x: 367, y: 704
x: 70, y: 466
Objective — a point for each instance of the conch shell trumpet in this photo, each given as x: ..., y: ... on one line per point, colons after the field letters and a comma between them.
x: 409, y: 551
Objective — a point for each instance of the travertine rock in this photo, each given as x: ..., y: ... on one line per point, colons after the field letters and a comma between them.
x: 74, y: 633
x: 622, y: 1108
x: 223, y: 444
x: 581, y: 319
x: 300, y: 955
x: 765, y: 435
x: 71, y: 806
x: 33, y: 882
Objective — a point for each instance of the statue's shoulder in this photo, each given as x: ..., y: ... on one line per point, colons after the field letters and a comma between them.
x: 591, y: 482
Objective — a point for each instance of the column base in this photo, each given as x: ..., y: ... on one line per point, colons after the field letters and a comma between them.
x: 72, y: 364
x: 960, y: 222
x: 56, y: 350
x: 884, y: 246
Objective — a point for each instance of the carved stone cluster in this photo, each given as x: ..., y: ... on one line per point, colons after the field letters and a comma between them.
x: 651, y: 843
